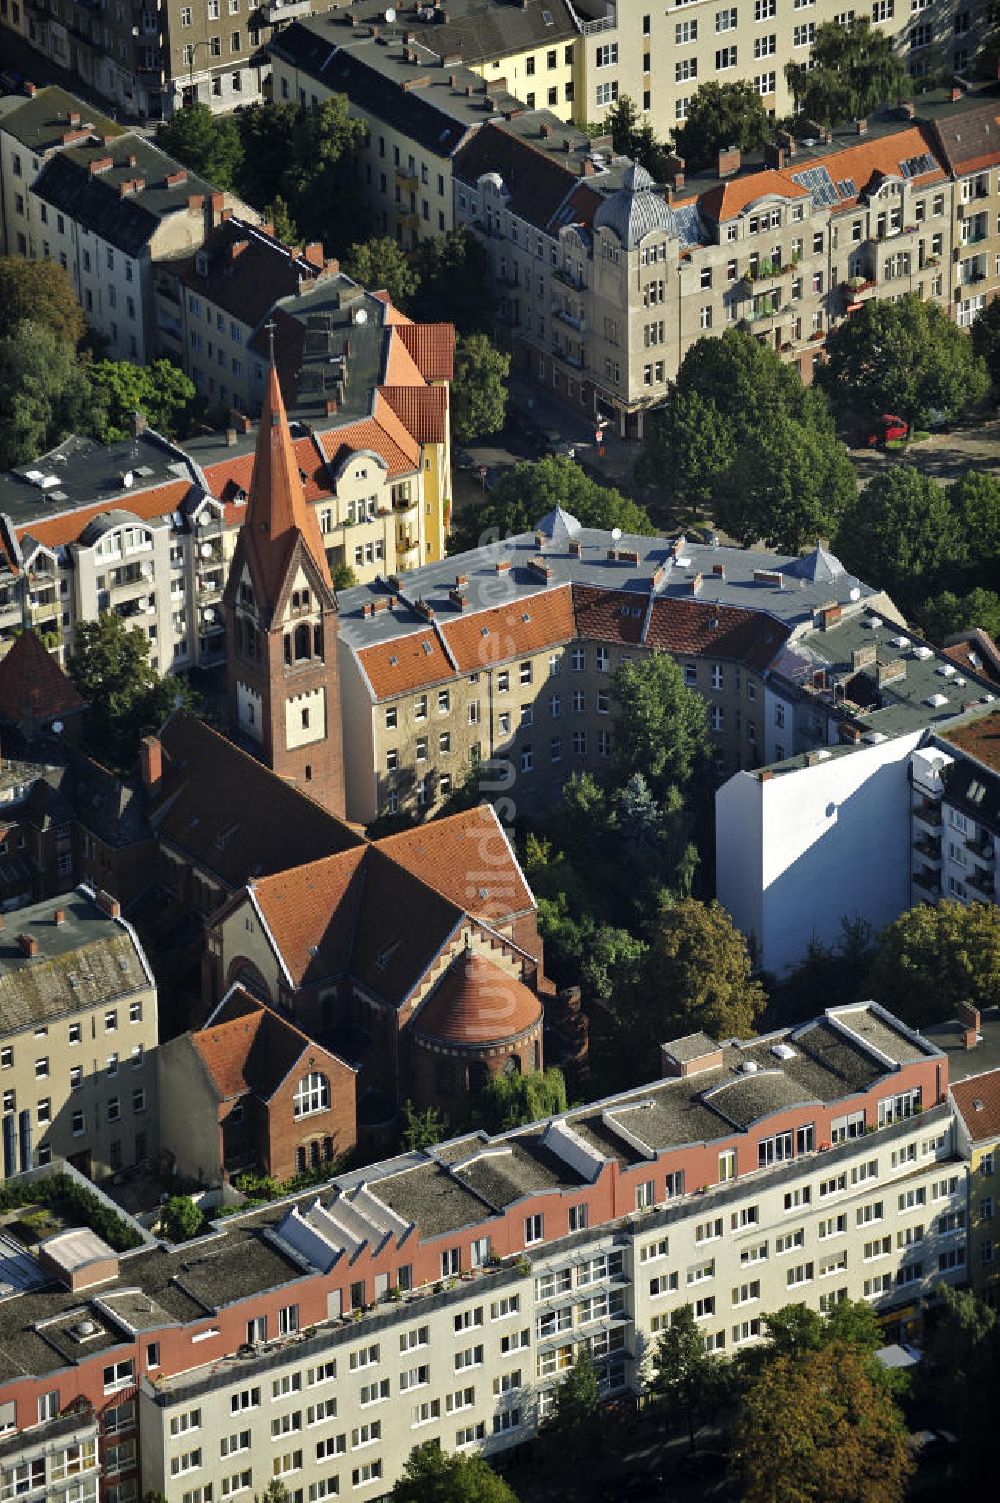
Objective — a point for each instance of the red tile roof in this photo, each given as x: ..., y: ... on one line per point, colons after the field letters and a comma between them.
x: 723, y: 631
x: 526, y: 625
x: 979, y: 645
x: 432, y: 347
x: 32, y: 684
x: 229, y: 476
x: 423, y: 410
x: 310, y: 911
x: 980, y: 738
x: 248, y: 1048
x: 609, y: 615
x: 469, y: 859
x: 398, y: 448
x: 160, y: 501
x: 405, y: 664
x: 400, y: 367
x: 477, y: 1003
x: 978, y: 1100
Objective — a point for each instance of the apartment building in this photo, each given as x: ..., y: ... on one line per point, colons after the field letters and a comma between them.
x: 59, y: 1454
x: 440, y: 1295
x: 697, y: 43
x: 79, y: 1029
x: 108, y: 206
x: 506, y: 655
x: 977, y: 1124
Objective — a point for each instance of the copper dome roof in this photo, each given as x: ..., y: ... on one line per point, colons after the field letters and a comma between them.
x: 477, y: 1003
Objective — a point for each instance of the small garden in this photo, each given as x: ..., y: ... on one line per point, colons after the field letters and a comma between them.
x: 52, y: 1203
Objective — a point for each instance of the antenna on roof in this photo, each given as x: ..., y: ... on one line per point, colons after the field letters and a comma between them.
x: 269, y: 326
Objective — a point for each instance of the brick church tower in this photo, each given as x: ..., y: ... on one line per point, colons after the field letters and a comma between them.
x: 281, y: 623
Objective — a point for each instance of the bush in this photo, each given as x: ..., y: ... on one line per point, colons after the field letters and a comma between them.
x: 181, y: 1219
x: 73, y: 1203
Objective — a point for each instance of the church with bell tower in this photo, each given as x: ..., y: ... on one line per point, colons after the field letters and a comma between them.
x: 281, y: 623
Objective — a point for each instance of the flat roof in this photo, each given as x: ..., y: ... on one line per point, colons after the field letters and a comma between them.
x: 978, y: 737
x: 950, y: 1039
x: 85, y: 472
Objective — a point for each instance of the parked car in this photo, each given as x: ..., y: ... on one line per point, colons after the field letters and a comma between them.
x: 891, y: 427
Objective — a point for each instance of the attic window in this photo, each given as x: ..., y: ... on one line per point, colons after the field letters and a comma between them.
x: 386, y: 955
x: 393, y: 662
x: 978, y: 1104
x: 547, y: 17
x: 977, y: 792
x: 526, y: 616
x: 427, y: 648
x: 484, y: 631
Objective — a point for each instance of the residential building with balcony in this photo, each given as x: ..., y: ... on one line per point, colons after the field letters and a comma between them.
x: 440, y: 1295
x: 976, y: 1101
x: 108, y: 206
x: 78, y: 1035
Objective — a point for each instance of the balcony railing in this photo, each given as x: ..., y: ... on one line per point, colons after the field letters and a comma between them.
x: 929, y: 814
x: 928, y: 849
x: 983, y: 850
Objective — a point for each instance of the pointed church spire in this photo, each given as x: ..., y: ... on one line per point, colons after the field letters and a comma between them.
x: 277, y: 511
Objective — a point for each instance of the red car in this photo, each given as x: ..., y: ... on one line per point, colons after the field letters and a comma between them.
x: 891, y: 427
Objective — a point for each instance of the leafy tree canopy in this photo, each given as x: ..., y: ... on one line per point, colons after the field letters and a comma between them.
x: 181, y: 1219
x: 382, y: 265
x: 905, y: 357
x: 662, y: 727
x: 682, y: 1371
x: 986, y: 337
x: 573, y: 1422
x: 634, y: 137
x: 453, y: 287
x: 433, y: 1476
x: 729, y: 114
x: 528, y: 491
x: 852, y: 69
x: 900, y: 531
x: 789, y: 485
x: 209, y: 144
x: 514, y: 1100
x: 933, y: 957
x: 478, y: 388
x: 39, y: 293
x: 421, y: 1129
x: 833, y: 1432
x: 688, y: 449
x: 945, y: 615
x: 110, y: 666
x: 161, y: 391
x: 699, y: 974
x: 45, y: 394
x: 344, y: 577
x: 959, y: 1374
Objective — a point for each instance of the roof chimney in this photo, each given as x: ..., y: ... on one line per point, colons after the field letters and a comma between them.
x: 59, y: 917
x: 29, y: 945
x: 730, y: 161
x: 107, y: 904
x: 151, y: 762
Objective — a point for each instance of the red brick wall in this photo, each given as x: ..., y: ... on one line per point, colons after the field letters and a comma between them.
x: 284, y: 1134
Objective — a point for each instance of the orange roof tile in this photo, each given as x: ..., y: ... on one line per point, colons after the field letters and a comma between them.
x: 394, y: 428
x: 432, y: 347
x: 468, y: 858
x: 609, y: 615
x: 159, y: 501
x: 477, y: 1003
x: 400, y: 367
x: 32, y: 684
x: 978, y: 1100
x: 229, y: 476
x: 730, y: 199
x: 979, y: 738
x: 691, y: 626
x: 508, y: 631
x: 307, y: 911
x: 399, y: 449
x: 423, y: 410
x: 249, y: 1048
x: 406, y: 663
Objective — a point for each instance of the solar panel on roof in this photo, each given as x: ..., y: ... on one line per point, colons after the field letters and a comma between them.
x: 847, y: 188
x: 688, y: 222
x: 818, y: 182
x: 917, y: 166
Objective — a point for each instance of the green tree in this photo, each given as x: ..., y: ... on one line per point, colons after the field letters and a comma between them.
x: 380, y: 265
x: 905, y: 357
x: 901, y: 531
x: 209, y: 144
x: 747, y: 381
x: 344, y: 577
x: 572, y: 1427
x: 833, y: 1432
x: 110, y: 666
x: 699, y: 974
x: 933, y: 957
x: 634, y: 137
x: 529, y: 491
x: 682, y: 1371
x: 280, y: 218
x: 986, y: 337
x: 975, y: 500
x: 515, y: 1100
x: 793, y: 1329
x: 958, y: 1377
x: 662, y: 727
x: 687, y: 450
x: 478, y: 389
x: 432, y: 1476
x: 421, y: 1129
x: 947, y: 614
x: 45, y: 394
x: 305, y: 155
x: 161, y: 391
x: 274, y: 1492
x: 719, y: 115
x: 453, y: 272
x: 788, y: 485
x: 181, y: 1219
x: 852, y: 69
x: 39, y: 293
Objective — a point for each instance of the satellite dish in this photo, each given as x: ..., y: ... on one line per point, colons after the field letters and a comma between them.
x: 616, y: 534
x: 127, y: 479
x: 390, y: 15
x: 361, y: 317
x: 57, y: 727
x: 206, y: 550
x: 855, y: 593
x: 208, y: 614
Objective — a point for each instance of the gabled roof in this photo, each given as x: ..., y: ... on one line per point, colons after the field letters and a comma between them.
x: 469, y: 859
x: 227, y: 477
x: 406, y: 663
x: 970, y: 139
x: 477, y: 1003
x: 32, y: 684
x: 248, y: 271
x: 432, y: 347
x: 278, y: 519
x: 229, y: 813
x: 400, y: 367
x: 690, y: 626
x: 525, y: 626
x: 402, y: 925
x: 249, y: 1049
x: 536, y: 182
x: 60, y: 531
x: 978, y: 1101
x: 311, y: 911
x: 422, y: 409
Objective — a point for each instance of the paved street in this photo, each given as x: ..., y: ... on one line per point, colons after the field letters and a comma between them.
x: 945, y: 456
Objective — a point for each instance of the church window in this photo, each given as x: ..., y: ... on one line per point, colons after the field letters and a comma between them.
x: 302, y: 635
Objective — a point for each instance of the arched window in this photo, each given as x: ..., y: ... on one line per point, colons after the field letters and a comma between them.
x: 312, y: 1094
x: 288, y: 650
x: 318, y: 640
x: 512, y: 1065
x: 302, y: 637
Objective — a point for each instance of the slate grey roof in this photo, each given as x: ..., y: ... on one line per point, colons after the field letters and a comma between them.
x: 87, y: 960
x: 559, y: 525
x: 39, y: 123
x: 817, y: 565
x: 636, y: 210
